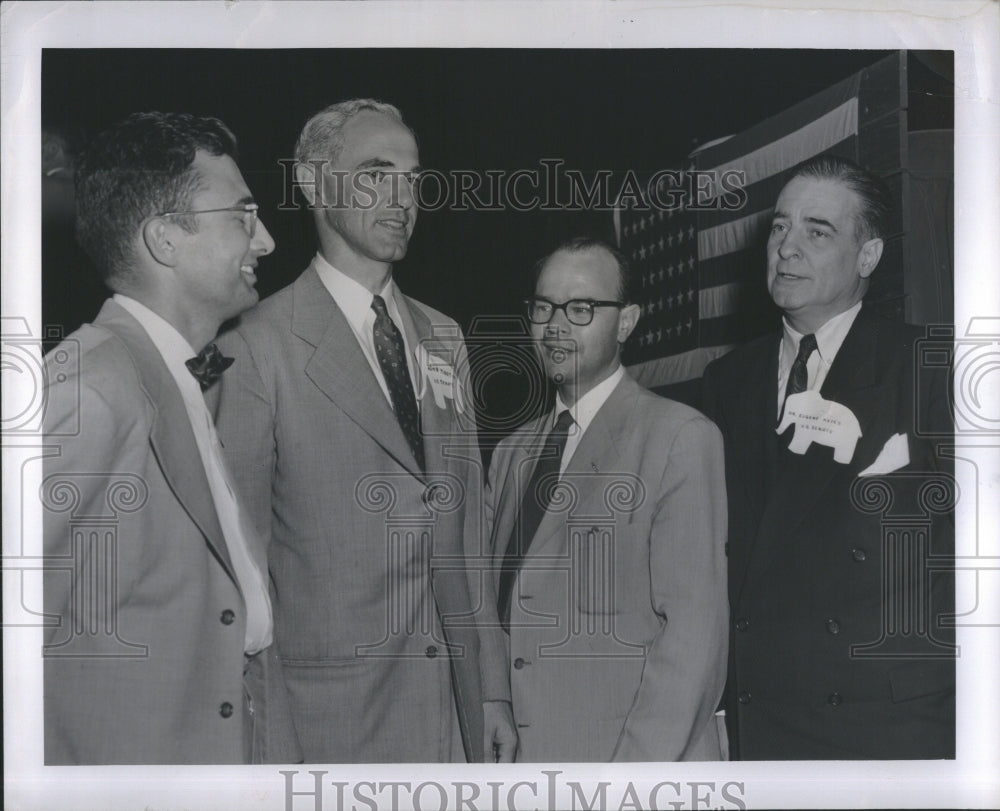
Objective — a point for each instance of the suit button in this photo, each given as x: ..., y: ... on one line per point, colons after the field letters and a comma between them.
x: 859, y: 554
x: 226, y: 709
x: 742, y: 624
x: 518, y: 663
x: 227, y: 617
x: 743, y: 697
x: 833, y: 626
x: 834, y: 699
x: 431, y: 651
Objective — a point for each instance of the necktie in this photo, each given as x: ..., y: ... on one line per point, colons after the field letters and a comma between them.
x: 392, y: 358
x: 798, y: 378
x: 208, y: 365
x: 534, y: 503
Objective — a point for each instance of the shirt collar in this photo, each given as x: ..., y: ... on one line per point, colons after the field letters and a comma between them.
x: 829, y: 337
x: 586, y: 407
x: 172, y: 346
x: 352, y: 298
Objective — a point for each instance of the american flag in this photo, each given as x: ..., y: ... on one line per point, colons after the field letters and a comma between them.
x: 699, y: 275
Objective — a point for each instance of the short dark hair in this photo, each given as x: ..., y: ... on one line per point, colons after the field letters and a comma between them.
x: 873, y: 216
x: 584, y: 243
x: 136, y: 169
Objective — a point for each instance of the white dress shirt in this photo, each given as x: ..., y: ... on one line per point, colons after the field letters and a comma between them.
x: 583, y: 413
x: 355, y: 302
x: 829, y: 337
x: 175, y: 350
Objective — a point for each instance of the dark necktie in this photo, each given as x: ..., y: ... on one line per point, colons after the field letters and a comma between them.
x: 391, y: 354
x: 798, y: 378
x: 534, y: 503
x: 208, y: 365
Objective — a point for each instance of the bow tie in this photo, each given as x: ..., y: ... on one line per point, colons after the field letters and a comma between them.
x: 208, y: 365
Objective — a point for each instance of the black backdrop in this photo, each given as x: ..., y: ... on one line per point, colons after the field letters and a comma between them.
x: 474, y: 109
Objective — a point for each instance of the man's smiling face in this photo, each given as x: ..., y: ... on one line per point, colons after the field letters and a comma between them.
x: 371, y: 210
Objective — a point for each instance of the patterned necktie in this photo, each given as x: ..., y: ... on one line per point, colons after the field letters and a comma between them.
x: 208, y: 365
x: 798, y: 378
x: 392, y: 358
x: 534, y: 503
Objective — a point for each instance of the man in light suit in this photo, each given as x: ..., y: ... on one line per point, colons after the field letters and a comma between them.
x: 614, y: 589
x: 160, y: 652
x: 840, y: 527
x: 356, y: 448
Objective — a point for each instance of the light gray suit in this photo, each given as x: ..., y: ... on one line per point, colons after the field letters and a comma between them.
x: 618, y: 627
x: 146, y: 664
x: 354, y: 522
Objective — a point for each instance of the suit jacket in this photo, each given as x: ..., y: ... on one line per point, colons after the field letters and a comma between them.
x: 145, y: 662
x: 838, y: 582
x: 618, y: 619
x: 373, y: 613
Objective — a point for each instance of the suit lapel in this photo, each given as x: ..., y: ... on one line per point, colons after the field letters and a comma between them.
x: 804, y: 480
x: 171, y: 435
x: 340, y: 370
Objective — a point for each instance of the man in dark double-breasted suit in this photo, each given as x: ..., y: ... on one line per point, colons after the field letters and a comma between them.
x: 840, y: 530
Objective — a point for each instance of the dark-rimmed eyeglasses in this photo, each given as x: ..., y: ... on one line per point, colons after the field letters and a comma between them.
x: 249, y: 211
x: 579, y: 311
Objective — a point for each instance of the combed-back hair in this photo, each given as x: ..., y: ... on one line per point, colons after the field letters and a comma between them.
x: 873, y: 215
x: 322, y: 137
x: 585, y: 243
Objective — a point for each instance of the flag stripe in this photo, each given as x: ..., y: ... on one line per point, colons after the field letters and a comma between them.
x: 676, y: 368
x: 808, y: 140
x: 715, y: 301
x: 794, y: 118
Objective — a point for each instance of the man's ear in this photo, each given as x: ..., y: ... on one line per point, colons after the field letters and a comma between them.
x: 160, y: 239
x: 627, y: 319
x: 307, y: 180
x: 869, y: 256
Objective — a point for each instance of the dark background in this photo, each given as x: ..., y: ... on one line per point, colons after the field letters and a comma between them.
x: 473, y: 109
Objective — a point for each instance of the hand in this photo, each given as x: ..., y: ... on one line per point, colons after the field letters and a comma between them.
x: 500, y: 734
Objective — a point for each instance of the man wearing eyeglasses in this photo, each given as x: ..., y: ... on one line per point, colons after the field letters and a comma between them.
x: 160, y: 649
x: 355, y: 444
x: 607, y: 518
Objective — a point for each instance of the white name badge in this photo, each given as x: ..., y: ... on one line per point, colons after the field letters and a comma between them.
x: 445, y: 385
x: 824, y: 422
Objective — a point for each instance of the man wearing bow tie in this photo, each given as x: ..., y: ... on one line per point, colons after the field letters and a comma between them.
x: 840, y: 601
x: 608, y: 521
x: 158, y: 581
x: 354, y: 441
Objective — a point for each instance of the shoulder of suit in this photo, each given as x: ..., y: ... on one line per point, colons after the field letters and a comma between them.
x: 652, y: 408
x: 95, y: 358
x: 436, y: 317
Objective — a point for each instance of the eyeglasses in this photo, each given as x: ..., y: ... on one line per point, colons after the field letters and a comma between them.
x: 578, y: 311
x: 249, y: 211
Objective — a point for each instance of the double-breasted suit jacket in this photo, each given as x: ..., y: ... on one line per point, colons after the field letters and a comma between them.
x: 618, y: 619
x: 371, y: 594
x: 839, y: 584
x: 146, y: 663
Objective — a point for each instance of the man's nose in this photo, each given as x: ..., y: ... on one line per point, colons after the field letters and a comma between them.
x: 262, y: 242
x: 788, y: 248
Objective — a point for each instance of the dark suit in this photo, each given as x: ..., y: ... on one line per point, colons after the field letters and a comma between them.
x: 146, y: 664
x: 837, y: 649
